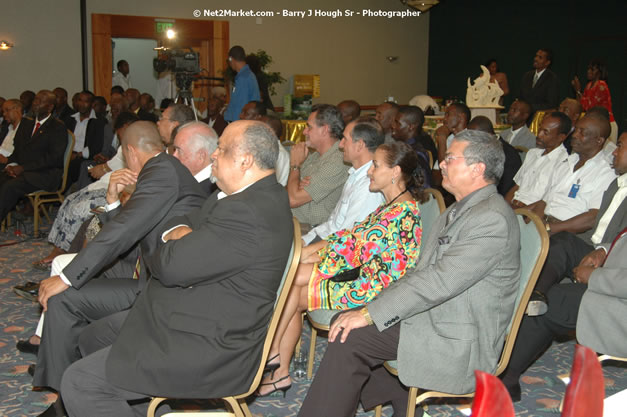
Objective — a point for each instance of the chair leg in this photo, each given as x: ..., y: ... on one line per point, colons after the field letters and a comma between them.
x: 312, y: 352
x: 411, y: 401
x: 152, y: 407
x: 378, y: 410
x: 244, y: 406
x: 235, y: 407
x: 35, y: 203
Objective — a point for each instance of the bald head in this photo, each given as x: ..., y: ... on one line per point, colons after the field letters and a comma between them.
x: 571, y: 108
x: 349, y: 109
x: 481, y: 123
x: 601, y: 115
x: 143, y: 136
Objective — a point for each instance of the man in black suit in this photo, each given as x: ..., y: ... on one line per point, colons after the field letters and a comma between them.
x: 164, y: 189
x: 540, y: 87
x: 201, y: 322
x: 37, y: 159
x: 62, y: 110
x: 193, y: 145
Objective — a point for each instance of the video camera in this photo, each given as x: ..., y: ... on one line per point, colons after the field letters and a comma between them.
x: 177, y: 61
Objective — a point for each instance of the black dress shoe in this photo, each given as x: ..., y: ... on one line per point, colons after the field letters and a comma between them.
x: 55, y: 410
x: 25, y: 346
x: 514, y: 392
x: 538, y: 304
x: 31, y: 369
x: 30, y: 290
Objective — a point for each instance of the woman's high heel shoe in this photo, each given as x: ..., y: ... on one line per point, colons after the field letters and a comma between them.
x: 271, y: 367
x: 283, y: 389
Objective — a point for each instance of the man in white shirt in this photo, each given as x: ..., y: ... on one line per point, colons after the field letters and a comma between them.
x: 121, y: 77
x: 532, y: 179
x: 576, y: 188
x: 12, y: 110
x: 361, y: 138
x: 519, y: 134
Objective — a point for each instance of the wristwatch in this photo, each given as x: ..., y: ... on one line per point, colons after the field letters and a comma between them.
x: 295, y: 168
x: 364, y: 312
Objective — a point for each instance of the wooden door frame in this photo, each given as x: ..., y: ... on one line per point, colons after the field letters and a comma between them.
x: 211, y: 36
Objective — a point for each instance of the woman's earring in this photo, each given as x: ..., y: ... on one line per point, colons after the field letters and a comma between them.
x: 393, y: 180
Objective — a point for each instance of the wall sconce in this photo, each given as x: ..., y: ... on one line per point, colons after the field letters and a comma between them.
x: 4, y: 45
x: 391, y: 59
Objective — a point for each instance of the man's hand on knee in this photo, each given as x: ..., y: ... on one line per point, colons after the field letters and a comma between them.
x: 49, y: 287
x: 346, y: 322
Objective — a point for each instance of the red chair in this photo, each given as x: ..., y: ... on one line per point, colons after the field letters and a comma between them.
x: 491, y: 397
x: 586, y: 390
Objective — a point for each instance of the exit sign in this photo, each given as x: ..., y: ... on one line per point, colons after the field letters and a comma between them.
x: 162, y: 27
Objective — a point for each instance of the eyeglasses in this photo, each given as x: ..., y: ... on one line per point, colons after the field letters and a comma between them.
x: 449, y: 158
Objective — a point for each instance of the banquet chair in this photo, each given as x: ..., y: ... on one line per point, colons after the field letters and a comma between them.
x: 534, y: 246
x: 491, y: 397
x: 39, y: 198
x: 586, y: 391
x: 237, y: 402
x: 321, y: 319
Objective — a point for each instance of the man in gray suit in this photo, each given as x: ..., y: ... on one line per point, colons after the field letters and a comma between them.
x: 519, y: 134
x: 164, y: 189
x: 599, y: 293
x: 445, y: 318
x: 201, y: 321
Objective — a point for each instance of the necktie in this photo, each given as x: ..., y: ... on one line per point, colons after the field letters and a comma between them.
x: 36, y: 128
x: 535, y: 79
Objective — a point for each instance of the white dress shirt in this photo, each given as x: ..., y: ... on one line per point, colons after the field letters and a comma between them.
x: 592, y: 179
x: 121, y: 80
x: 535, y: 173
x: 354, y: 205
x: 618, y: 199
x: 6, y: 149
x: 80, y: 131
x: 282, y: 165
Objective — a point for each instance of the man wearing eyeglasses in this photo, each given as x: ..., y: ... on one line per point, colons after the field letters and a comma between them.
x: 245, y: 88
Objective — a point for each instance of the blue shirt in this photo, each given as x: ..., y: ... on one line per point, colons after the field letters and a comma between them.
x: 245, y: 90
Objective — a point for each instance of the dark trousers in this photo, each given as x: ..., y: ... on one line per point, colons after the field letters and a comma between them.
x: 537, y: 333
x: 565, y: 252
x: 68, y: 314
x: 11, y: 190
x: 351, y: 372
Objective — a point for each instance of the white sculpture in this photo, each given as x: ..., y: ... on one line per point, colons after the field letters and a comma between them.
x: 483, y: 93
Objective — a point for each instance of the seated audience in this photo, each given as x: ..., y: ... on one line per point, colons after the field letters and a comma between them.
x: 575, y: 189
x: 283, y: 162
x: 456, y: 118
x: 349, y: 109
x: 12, y: 111
x: 76, y: 208
x: 100, y: 107
x: 519, y: 134
x: 27, y: 97
x: 512, y: 159
x: 177, y: 114
x: 252, y: 110
x: 132, y: 97
x: 214, y: 119
x: 194, y: 144
x: 385, y: 114
x: 316, y: 180
x: 595, y: 304
x: 445, y: 317
x: 566, y: 249
x: 71, y: 297
x: 361, y: 138
x: 532, y: 179
x: 37, y: 159
x: 89, y: 132
x: 224, y: 265
x: 62, y: 111
x: 364, y: 259
x: 571, y: 108
x: 407, y: 127
x: 147, y: 108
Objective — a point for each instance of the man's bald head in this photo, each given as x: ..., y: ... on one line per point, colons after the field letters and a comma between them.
x: 571, y: 108
x: 350, y: 110
x: 144, y: 137
x: 603, y: 117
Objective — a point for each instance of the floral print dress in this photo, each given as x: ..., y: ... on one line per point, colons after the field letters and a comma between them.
x: 384, y: 245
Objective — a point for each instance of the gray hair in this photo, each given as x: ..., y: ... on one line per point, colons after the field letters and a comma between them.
x: 369, y: 131
x: 330, y: 116
x: 201, y: 136
x: 181, y: 113
x: 261, y: 142
x: 485, y: 148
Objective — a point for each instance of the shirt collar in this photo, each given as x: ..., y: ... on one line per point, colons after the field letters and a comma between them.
x: 77, y: 116
x: 203, y: 174
x: 540, y: 73
x: 41, y: 122
x: 222, y: 194
x: 622, y: 181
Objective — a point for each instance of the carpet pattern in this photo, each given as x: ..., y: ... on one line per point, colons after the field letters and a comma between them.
x: 542, y: 390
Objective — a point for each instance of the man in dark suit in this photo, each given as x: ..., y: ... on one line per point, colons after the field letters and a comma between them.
x: 193, y: 145
x: 540, y: 87
x: 62, y: 110
x: 37, y: 159
x: 200, y: 324
x: 89, y: 132
x: 445, y: 318
x: 164, y: 189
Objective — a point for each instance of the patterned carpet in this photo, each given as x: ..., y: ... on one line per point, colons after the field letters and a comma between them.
x: 542, y: 391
